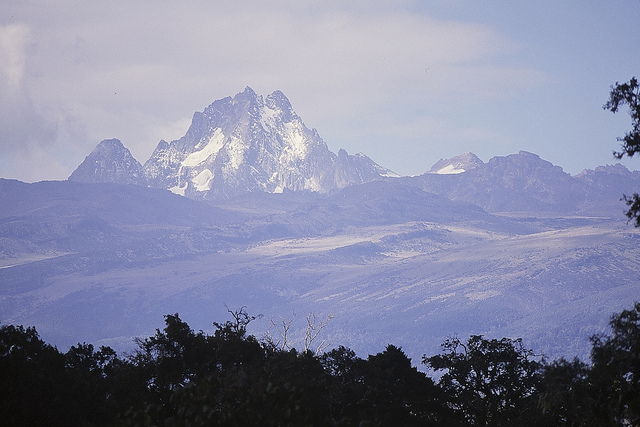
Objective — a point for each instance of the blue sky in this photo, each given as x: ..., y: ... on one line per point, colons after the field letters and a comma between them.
x: 405, y: 82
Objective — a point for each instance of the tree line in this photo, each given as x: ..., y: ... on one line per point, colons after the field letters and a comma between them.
x: 180, y: 377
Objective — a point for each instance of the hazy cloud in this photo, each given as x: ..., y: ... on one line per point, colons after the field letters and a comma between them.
x: 25, y: 131
x: 13, y: 39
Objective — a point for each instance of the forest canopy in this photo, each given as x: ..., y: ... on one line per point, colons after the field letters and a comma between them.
x: 180, y: 376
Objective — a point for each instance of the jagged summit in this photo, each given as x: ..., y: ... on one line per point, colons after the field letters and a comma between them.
x: 457, y: 164
x: 110, y: 162
x: 616, y: 169
x: 521, y: 182
x: 248, y: 143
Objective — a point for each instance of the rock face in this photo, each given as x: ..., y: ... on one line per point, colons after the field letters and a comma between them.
x: 246, y: 144
x: 110, y: 162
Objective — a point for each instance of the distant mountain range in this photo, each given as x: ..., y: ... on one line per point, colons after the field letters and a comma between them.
x: 275, y: 221
x: 246, y: 144
x: 524, y: 182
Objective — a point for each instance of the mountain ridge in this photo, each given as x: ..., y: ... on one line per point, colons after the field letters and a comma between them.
x: 238, y: 144
x: 524, y: 182
x: 246, y: 143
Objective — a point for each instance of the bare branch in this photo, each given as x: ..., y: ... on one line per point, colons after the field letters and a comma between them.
x: 283, y: 331
x: 312, y: 332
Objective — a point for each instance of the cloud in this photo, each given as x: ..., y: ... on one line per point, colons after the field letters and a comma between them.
x: 24, y: 129
x: 34, y: 139
x: 13, y: 39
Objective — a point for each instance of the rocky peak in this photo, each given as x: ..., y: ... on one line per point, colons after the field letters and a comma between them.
x: 279, y: 102
x: 616, y: 169
x: 246, y: 143
x: 110, y: 162
x: 456, y: 165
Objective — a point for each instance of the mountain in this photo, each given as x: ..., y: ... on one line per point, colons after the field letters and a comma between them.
x: 455, y: 165
x: 246, y: 144
x: 523, y: 182
x: 110, y: 162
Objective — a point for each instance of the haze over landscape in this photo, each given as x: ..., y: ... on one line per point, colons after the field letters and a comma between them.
x: 251, y: 208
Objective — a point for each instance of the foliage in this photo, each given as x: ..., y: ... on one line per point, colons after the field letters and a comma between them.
x: 566, y: 395
x: 606, y: 393
x: 616, y: 368
x: 628, y: 94
x: 490, y: 382
x: 180, y: 377
x: 401, y: 394
x: 41, y: 386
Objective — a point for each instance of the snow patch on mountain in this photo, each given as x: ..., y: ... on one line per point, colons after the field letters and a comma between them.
x: 268, y: 118
x: 202, y: 181
x: 215, y: 144
x: 297, y: 147
x: 235, y: 150
x: 450, y: 170
x: 180, y: 191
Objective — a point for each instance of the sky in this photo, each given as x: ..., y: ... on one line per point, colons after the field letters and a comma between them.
x: 404, y: 82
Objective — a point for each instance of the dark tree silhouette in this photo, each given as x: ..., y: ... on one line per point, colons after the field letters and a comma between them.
x: 182, y: 377
x: 628, y: 94
x: 616, y: 368
x: 566, y: 396
x: 605, y: 393
x: 490, y: 382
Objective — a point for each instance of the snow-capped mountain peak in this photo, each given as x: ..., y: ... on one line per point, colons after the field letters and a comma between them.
x: 456, y: 165
x: 246, y: 143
